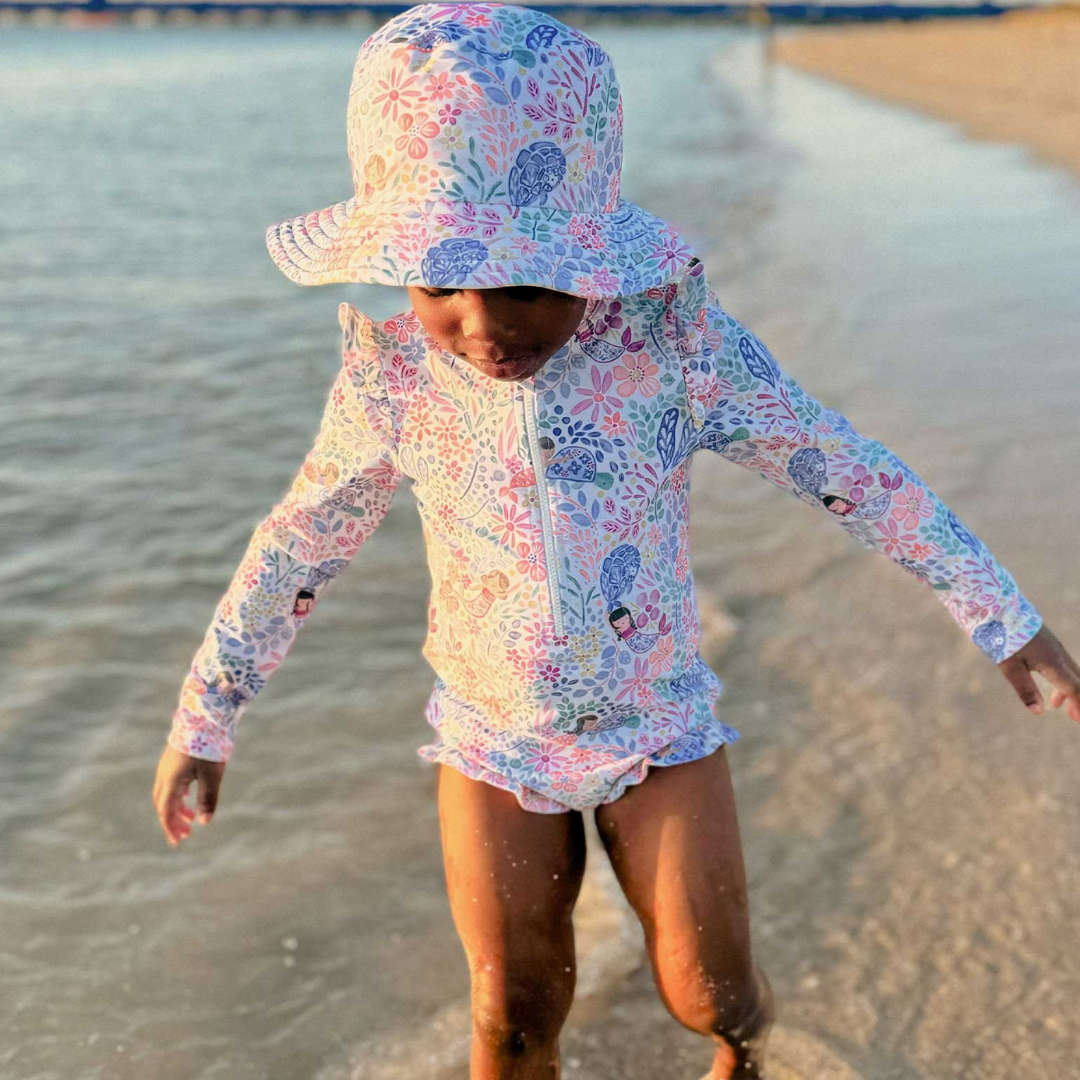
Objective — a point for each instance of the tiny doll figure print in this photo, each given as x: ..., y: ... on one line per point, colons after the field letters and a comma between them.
x: 617, y: 574
x: 223, y: 687
x: 809, y: 468
x: 304, y: 602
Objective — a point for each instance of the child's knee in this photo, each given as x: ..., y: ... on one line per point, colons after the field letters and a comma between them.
x: 517, y: 1005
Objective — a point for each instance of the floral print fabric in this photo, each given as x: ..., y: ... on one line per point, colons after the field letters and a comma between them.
x: 486, y: 143
x: 563, y: 626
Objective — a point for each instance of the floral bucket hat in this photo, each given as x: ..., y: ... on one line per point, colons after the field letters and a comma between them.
x: 486, y: 149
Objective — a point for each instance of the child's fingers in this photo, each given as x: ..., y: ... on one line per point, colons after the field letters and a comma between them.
x: 1018, y: 674
x: 178, y: 827
x: 209, y: 787
x: 1065, y: 678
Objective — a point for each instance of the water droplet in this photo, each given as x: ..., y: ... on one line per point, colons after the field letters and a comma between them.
x: 289, y: 943
x: 554, y: 877
x: 566, y: 969
x: 288, y: 961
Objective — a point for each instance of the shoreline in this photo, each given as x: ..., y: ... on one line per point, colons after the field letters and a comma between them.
x: 1013, y: 78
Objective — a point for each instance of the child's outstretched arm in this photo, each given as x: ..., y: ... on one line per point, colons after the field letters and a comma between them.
x: 749, y: 410
x: 336, y: 500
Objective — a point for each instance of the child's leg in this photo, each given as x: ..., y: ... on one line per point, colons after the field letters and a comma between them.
x: 673, y: 841
x: 513, y: 877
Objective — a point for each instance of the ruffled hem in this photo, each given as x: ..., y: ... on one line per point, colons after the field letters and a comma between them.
x: 702, y: 741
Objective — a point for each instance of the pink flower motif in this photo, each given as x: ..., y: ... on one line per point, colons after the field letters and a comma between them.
x: 550, y: 672
x: 441, y: 88
x: 395, y: 93
x: 857, y: 481
x: 639, y: 688
x: 662, y: 655
x: 416, y: 130
x: 511, y: 526
x: 599, y: 398
x: 894, y: 541
x: 637, y: 374
x: 604, y: 279
x: 546, y: 757
x: 649, y: 609
x: 535, y: 635
x: 567, y: 781
x: 586, y: 232
x: 614, y: 425
x: 530, y: 563
x: 671, y: 253
x: 911, y: 506
x: 448, y: 114
x: 402, y: 325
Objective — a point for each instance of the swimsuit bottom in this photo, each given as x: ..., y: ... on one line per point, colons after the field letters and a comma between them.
x: 552, y: 776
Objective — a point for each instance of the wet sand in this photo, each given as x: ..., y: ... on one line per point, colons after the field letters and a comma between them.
x: 1014, y: 78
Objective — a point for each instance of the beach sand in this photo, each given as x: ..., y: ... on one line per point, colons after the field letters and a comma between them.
x: 1014, y: 78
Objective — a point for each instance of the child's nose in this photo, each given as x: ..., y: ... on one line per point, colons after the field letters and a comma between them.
x: 483, y: 323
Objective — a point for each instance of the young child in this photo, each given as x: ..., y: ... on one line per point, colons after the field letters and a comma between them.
x: 563, y: 358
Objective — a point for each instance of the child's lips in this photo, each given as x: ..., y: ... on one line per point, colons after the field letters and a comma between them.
x: 508, y: 368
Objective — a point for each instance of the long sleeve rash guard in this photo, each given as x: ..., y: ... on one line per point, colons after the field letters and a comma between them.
x: 563, y: 626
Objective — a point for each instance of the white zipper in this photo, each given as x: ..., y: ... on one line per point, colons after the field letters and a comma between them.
x: 548, y: 532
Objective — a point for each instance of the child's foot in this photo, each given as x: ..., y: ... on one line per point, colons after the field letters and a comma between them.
x: 739, y: 1058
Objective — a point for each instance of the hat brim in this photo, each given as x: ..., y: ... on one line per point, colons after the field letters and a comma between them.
x: 490, y: 245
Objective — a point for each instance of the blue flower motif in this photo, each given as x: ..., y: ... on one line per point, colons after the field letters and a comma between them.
x: 538, y: 170
x: 540, y: 37
x: 449, y: 261
x: 965, y: 536
x: 990, y: 637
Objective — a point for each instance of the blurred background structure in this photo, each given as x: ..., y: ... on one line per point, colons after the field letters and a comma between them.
x: 149, y: 12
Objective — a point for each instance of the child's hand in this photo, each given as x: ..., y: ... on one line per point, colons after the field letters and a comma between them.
x: 1046, y: 655
x: 175, y: 773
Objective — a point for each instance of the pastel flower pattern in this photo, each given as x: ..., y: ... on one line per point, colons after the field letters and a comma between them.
x: 486, y: 148
x: 563, y: 627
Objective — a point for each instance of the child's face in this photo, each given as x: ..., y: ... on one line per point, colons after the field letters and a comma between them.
x: 505, y: 333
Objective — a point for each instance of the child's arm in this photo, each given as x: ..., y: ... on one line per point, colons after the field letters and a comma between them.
x: 751, y: 412
x: 338, y: 497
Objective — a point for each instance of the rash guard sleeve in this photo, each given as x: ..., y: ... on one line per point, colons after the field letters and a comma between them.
x: 750, y: 411
x: 337, y: 499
